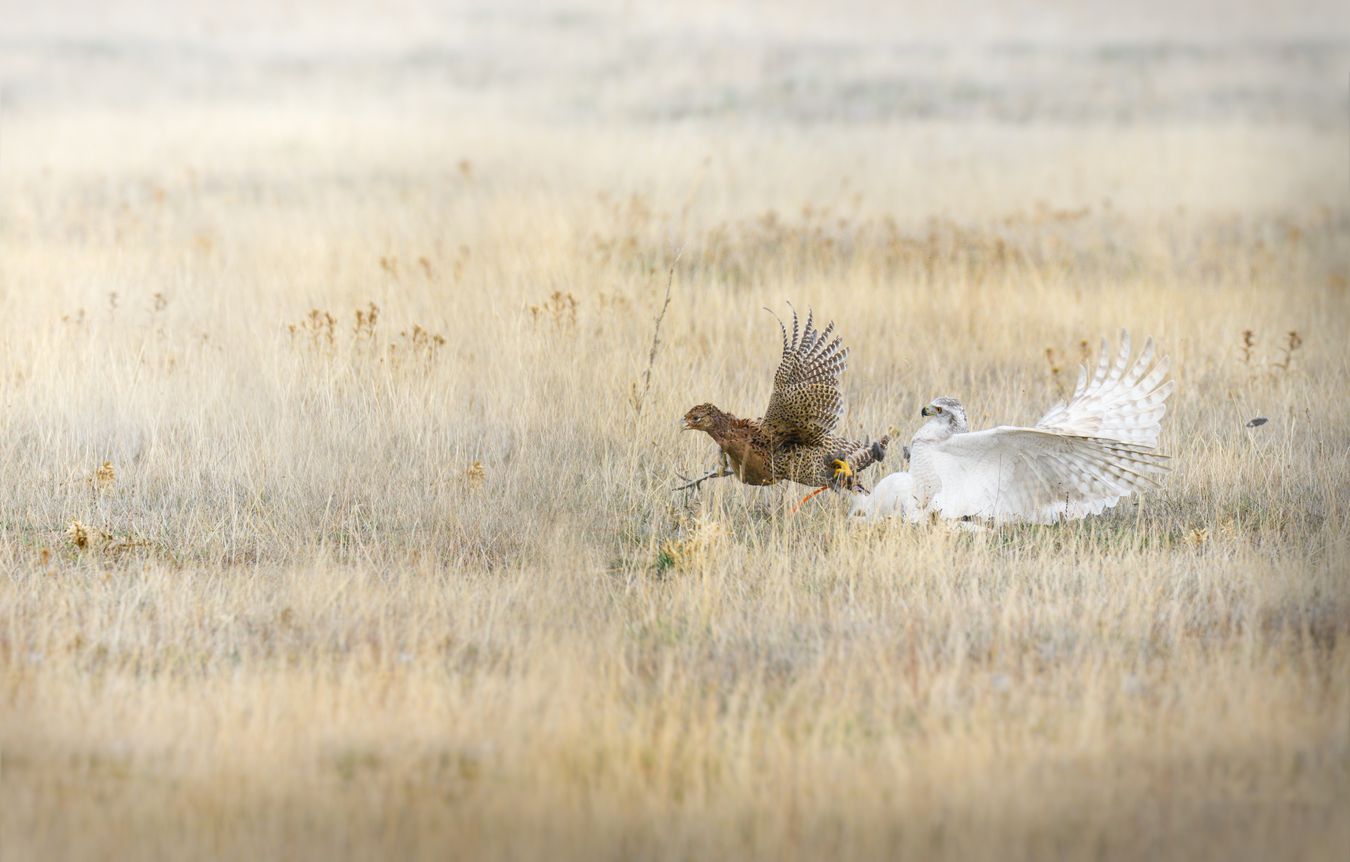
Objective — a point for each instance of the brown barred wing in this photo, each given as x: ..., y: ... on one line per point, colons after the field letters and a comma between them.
x: 860, y: 456
x: 814, y: 465
x: 807, y: 402
x: 805, y: 465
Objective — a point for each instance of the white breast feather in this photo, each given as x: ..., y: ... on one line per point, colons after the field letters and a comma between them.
x: 893, y: 496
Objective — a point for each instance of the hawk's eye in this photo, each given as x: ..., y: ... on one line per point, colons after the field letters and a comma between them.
x: 937, y: 409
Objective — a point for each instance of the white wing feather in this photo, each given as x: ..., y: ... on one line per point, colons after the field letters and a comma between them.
x: 1031, y: 474
x: 1121, y: 401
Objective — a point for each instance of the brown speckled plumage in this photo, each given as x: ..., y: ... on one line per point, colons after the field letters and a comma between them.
x: 795, y: 441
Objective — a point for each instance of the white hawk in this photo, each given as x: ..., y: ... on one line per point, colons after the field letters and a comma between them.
x: 1082, y: 457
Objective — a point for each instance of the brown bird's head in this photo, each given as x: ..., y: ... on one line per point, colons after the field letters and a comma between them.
x: 704, y: 417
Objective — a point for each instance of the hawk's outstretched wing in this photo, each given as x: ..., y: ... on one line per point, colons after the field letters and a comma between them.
x: 1034, y: 474
x: 1122, y: 401
x: 807, y: 403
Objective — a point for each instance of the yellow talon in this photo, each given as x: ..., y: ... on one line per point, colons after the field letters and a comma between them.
x: 841, y: 468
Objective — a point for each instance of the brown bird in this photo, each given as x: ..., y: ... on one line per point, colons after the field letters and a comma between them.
x: 795, y: 441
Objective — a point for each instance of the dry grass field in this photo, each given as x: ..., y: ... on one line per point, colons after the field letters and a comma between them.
x: 336, y: 461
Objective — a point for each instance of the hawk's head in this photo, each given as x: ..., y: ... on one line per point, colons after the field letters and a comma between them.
x: 945, y: 417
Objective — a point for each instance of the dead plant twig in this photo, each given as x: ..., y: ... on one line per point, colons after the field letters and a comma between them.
x: 640, y: 397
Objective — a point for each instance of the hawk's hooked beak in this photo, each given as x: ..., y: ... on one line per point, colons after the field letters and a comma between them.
x: 927, y: 411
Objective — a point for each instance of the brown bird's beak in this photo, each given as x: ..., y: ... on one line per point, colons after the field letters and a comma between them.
x: 683, y: 423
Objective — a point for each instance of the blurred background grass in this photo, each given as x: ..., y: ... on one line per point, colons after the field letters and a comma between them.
x: 332, y: 525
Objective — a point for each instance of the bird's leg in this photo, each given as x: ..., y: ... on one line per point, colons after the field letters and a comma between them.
x: 714, y: 473
x: 841, y: 477
x: 808, y: 497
